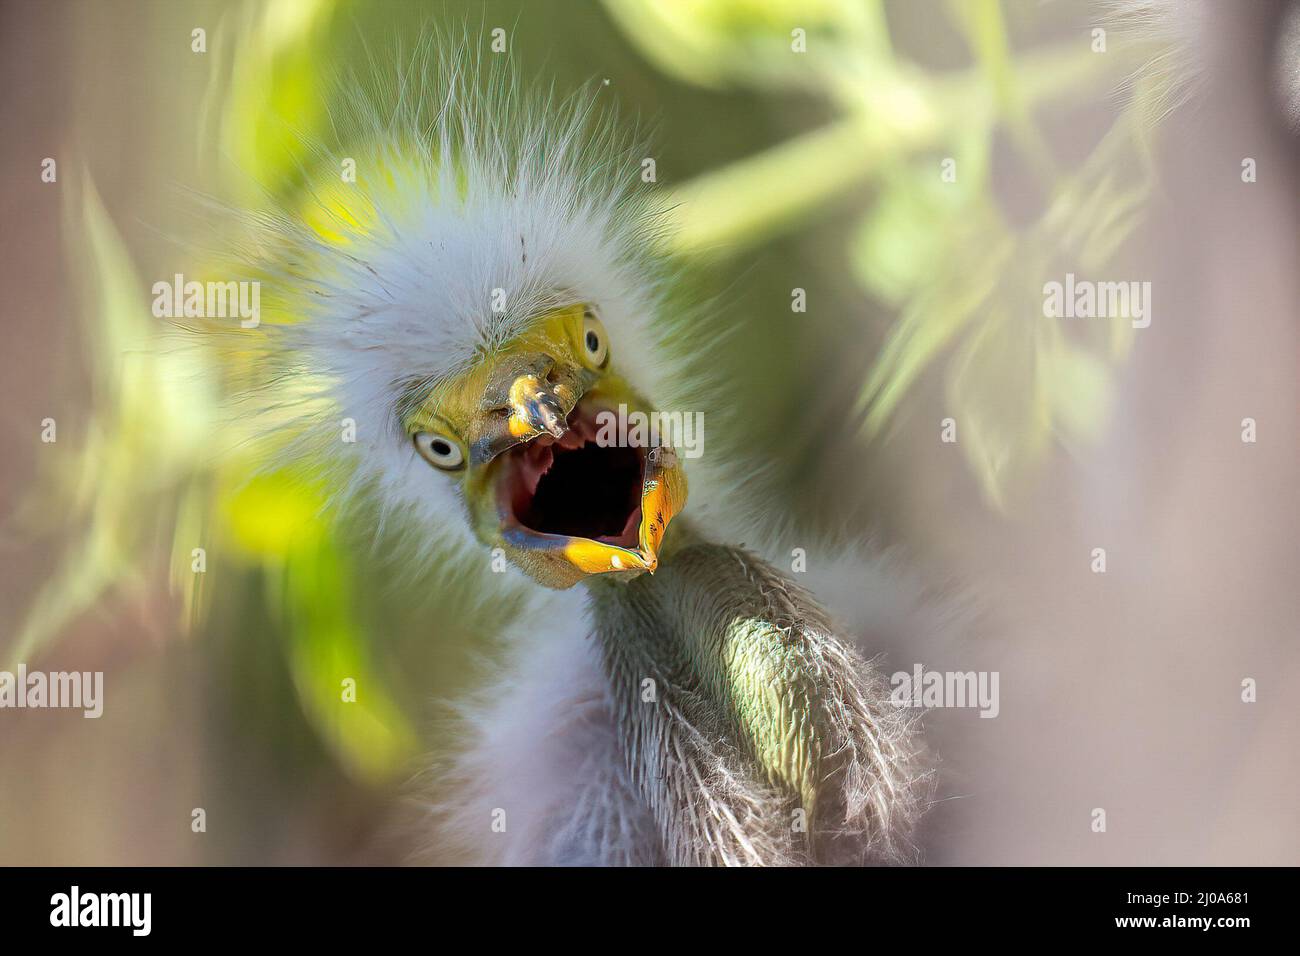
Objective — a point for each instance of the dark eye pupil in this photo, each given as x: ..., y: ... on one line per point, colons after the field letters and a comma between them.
x: 441, y: 448
x: 593, y: 341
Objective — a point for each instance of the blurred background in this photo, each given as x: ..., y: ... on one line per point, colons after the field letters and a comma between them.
x: 919, y: 169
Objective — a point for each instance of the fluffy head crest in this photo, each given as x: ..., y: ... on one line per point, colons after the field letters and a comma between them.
x: 475, y: 206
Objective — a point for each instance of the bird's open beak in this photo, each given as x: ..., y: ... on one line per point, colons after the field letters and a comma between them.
x: 572, y: 493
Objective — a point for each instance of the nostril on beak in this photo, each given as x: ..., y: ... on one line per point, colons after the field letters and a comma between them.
x: 543, y: 367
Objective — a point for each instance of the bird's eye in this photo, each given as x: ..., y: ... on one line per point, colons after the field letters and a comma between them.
x: 595, y: 344
x: 439, y: 451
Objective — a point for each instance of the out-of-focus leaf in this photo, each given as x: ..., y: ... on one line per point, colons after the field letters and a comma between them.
x: 277, y: 518
x: 752, y: 199
x: 905, y: 235
x: 189, y: 533
x: 717, y: 43
x: 1079, y: 387
x: 747, y: 201
x: 274, y: 106
x: 993, y: 396
x: 965, y: 276
x: 992, y: 296
x: 152, y: 409
x: 985, y: 28
x: 899, y: 243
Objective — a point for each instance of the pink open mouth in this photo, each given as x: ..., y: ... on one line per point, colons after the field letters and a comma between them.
x: 573, y: 487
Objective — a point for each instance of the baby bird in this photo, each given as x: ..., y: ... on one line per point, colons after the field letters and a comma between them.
x: 478, y: 301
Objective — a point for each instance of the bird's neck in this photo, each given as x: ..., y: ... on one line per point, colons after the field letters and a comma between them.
x: 697, y: 653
